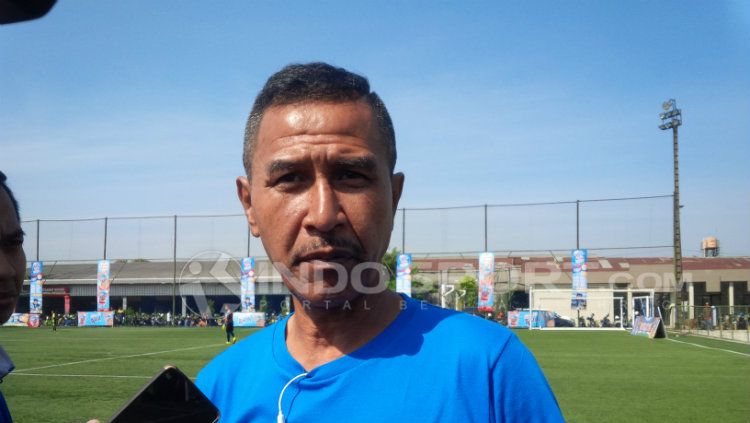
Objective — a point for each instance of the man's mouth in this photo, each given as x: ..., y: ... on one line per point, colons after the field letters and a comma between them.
x: 326, y: 257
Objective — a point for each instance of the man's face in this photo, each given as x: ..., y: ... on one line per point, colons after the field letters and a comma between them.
x: 12, y: 257
x: 321, y: 198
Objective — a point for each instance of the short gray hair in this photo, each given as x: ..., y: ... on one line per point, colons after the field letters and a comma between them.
x: 311, y: 82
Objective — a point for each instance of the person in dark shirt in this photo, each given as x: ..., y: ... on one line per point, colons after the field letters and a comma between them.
x: 229, y: 326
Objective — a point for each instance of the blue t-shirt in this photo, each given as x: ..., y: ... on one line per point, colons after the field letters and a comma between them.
x: 428, y: 365
x: 6, y: 366
x: 4, y: 412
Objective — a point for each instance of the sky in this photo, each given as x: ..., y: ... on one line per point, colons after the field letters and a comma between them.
x: 138, y: 108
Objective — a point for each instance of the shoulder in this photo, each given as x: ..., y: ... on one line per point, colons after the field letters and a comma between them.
x: 235, y: 357
x: 458, y: 328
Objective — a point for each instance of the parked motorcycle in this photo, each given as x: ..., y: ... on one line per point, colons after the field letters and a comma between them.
x: 592, y: 322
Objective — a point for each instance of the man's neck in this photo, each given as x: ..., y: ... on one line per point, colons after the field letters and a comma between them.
x: 316, y: 336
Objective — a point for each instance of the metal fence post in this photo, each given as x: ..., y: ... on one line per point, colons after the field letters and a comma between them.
x: 37, y: 240
x: 248, y: 241
x: 174, y: 268
x: 105, y: 237
x: 578, y: 224
x: 485, y: 227
x: 403, y: 230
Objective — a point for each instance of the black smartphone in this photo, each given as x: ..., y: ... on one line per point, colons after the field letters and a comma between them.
x: 170, y: 397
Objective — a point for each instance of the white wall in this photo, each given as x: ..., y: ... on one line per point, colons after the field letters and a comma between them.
x: 599, y: 302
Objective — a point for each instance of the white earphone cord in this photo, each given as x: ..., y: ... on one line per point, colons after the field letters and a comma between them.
x: 280, y: 416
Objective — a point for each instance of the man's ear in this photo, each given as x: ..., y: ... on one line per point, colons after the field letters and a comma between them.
x: 244, y: 194
x: 397, y: 187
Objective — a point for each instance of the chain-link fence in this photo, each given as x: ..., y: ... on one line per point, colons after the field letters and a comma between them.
x: 723, y: 322
x: 622, y: 226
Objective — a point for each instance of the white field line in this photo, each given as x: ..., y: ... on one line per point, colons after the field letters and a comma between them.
x: 94, y: 376
x: 93, y: 360
x: 710, y: 348
x: 563, y: 329
x: 99, y: 376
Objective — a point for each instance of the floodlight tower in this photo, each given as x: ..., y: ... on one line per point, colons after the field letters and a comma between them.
x: 671, y: 119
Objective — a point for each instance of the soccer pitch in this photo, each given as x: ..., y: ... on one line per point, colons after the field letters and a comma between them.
x: 80, y: 373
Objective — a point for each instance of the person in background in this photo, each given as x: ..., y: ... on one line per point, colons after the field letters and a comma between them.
x: 707, y: 316
x: 229, y: 325
x: 12, y: 273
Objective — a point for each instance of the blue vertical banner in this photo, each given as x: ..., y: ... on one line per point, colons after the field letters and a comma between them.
x: 579, y: 264
x: 486, y: 282
x: 102, y: 285
x: 247, y: 284
x: 36, y: 284
x: 403, y: 274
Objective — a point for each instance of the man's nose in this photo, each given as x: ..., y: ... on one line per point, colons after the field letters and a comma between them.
x: 324, y: 212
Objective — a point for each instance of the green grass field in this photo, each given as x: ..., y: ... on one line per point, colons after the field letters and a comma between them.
x: 77, y: 374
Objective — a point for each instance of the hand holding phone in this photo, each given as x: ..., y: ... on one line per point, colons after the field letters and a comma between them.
x: 170, y: 397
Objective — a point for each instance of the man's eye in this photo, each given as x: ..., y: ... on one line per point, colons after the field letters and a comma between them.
x: 12, y: 242
x: 288, y: 178
x: 351, y: 179
x: 352, y: 175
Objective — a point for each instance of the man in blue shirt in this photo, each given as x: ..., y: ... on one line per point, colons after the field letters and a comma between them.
x: 321, y: 193
x: 12, y: 272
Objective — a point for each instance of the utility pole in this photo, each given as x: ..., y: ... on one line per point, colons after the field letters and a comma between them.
x: 672, y: 119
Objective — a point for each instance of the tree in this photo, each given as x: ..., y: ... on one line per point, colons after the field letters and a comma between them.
x: 424, y: 289
x: 503, y: 301
x: 469, y: 284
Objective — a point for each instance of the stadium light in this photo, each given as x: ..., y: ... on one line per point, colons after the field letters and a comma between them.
x: 672, y: 119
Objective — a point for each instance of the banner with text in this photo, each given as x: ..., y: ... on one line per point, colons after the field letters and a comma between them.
x: 36, y: 286
x: 102, y: 285
x: 535, y: 318
x: 648, y: 326
x: 579, y: 264
x: 247, y: 284
x: 17, y: 319
x: 249, y: 320
x: 403, y: 274
x: 96, y: 318
x: 485, y: 301
x: 24, y: 319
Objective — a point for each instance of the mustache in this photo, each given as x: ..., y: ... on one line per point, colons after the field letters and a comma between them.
x: 353, y: 247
